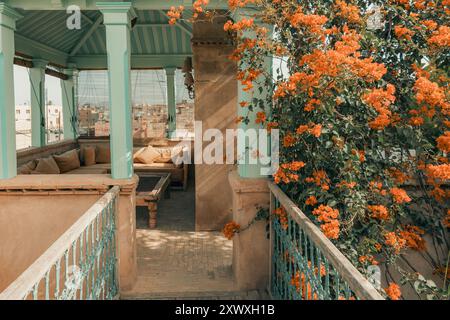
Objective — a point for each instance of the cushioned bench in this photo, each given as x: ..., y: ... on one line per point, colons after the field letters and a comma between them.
x: 179, y: 172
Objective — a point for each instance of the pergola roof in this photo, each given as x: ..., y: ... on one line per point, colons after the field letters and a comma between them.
x: 154, y: 42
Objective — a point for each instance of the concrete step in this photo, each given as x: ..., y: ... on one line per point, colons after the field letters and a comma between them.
x: 217, y: 295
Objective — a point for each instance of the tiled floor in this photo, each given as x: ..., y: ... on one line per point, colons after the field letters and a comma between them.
x: 175, y: 261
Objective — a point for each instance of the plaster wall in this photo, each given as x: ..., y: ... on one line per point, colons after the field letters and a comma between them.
x: 216, y: 107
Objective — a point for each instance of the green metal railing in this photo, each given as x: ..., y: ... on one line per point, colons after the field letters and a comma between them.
x: 81, y: 264
x: 305, y: 265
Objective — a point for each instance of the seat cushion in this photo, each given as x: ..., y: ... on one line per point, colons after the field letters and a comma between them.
x: 88, y: 170
x: 27, y: 167
x: 46, y: 166
x: 147, y: 156
x: 103, y: 154
x: 68, y: 161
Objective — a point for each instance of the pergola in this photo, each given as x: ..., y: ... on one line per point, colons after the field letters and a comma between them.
x: 114, y: 35
x: 117, y: 36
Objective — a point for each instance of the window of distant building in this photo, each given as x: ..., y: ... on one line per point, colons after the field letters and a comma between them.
x: 54, y: 123
x: 22, y: 96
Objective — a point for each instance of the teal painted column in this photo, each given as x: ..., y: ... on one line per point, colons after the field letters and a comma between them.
x: 116, y: 18
x: 38, y: 110
x: 69, y: 104
x: 248, y: 143
x: 8, y: 159
x: 171, y: 102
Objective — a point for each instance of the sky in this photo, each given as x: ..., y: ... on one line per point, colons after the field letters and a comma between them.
x: 148, y: 86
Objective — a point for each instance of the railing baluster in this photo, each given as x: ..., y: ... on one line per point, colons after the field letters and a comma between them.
x: 305, y: 264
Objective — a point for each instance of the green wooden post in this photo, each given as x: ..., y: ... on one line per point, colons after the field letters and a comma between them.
x: 171, y: 102
x: 8, y: 160
x: 247, y: 143
x: 117, y: 17
x: 38, y: 110
x: 69, y: 104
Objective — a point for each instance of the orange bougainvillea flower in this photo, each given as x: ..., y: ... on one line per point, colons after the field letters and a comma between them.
x: 403, y: 33
x: 443, y: 142
x: 328, y: 216
x: 413, y: 237
x: 380, y: 100
x: 312, y: 105
x: 316, y: 130
x: 289, y: 140
x: 379, y: 212
x: 441, y: 37
x: 348, y: 11
x: 282, y: 216
x: 399, y: 195
x: 439, y: 172
x: 311, y: 201
x: 260, y: 117
x: 394, y: 241
x: 446, y: 220
x: 230, y: 229
x: 393, y: 291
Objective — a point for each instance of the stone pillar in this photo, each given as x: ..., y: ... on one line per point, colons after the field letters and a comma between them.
x: 38, y: 112
x: 117, y: 18
x: 215, y: 107
x: 69, y: 105
x: 8, y: 162
x: 171, y: 102
x: 251, y: 247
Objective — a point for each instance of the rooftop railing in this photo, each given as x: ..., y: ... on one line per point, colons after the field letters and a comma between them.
x: 81, y: 264
x: 305, y: 264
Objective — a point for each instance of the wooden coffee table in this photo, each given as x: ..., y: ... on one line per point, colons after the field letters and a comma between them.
x: 150, y: 190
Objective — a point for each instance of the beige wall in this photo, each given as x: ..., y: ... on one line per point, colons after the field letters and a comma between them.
x: 216, y: 107
x: 30, y: 224
x: 36, y: 209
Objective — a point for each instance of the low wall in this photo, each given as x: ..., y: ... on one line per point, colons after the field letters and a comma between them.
x: 36, y: 210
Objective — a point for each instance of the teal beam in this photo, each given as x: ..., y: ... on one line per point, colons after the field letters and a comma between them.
x: 117, y: 19
x: 37, y: 94
x: 171, y: 102
x: 36, y: 49
x: 8, y: 160
x: 91, y: 4
x: 248, y: 144
x: 69, y: 105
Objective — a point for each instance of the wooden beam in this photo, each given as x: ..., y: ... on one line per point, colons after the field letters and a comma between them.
x: 86, y: 36
x: 50, y: 72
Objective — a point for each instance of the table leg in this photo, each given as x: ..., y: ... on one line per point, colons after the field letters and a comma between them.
x: 152, y: 210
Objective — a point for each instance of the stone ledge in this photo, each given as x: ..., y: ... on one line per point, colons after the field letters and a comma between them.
x: 247, y: 185
x: 45, y: 183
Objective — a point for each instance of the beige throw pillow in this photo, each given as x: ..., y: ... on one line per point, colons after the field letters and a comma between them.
x: 27, y: 167
x: 46, y: 166
x: 89, y: 156
x: 67, y: 161
x: 103, y: 154
x: 148, y: 155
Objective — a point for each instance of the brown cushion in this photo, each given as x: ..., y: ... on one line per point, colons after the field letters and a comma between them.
x: 158, y: 142
x: 103, y: 154
x: 67, y: 161
x: 89, y: 155
x: 148, y: 155
x: 46, y: 166
x: 27, y: 167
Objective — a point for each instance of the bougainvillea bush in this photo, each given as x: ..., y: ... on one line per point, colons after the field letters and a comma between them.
x: 363, y: 106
